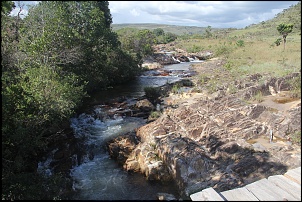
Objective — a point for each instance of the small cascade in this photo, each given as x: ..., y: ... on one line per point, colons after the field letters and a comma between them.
x: 175, y: 59
x: 95, y: 175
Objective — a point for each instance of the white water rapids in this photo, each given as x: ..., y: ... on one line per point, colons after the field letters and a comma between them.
x: 99, y: 177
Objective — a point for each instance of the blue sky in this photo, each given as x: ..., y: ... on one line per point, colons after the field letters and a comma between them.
x: 217, y: 14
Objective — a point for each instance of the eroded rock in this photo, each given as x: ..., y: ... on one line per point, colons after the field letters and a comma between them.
x: 214, y: 141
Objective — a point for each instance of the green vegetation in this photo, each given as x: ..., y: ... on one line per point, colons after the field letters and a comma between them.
x: 258, y: 97
x: 51, y: 60
x: 152, y: 93
x: 174, y: 29
x: 155, y: 115
x: 284, y: 30
x: 296, y: 137
x: 175, y: 88
x: 295, y: 87
x: 63, y: 51
x: 250, y: 51
x: 195, y: 48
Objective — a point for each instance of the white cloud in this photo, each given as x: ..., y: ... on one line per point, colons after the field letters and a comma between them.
x: 218, y: 14
x: 134, y: 12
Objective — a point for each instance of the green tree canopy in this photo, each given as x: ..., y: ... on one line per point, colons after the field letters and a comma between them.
x: 158, y: 31
x: 50, y: 60
x: 284, y: 30
x: 7, y: 7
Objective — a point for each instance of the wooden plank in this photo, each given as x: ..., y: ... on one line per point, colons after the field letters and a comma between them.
x: 286, y: 184
x: 268, y: 191
x: 294, y: 174
x: 239, y: 194
x: 208, y: 194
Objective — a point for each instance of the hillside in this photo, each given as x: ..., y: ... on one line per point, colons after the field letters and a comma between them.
x: 264, y: 28
x: 241, y: 120
x: 175, y: 29
x: 267, y: 28
x: 290, y: 15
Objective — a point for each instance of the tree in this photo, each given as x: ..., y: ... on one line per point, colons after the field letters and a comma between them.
x: 137, y: 42
x: 208, y: 33
x: 284, y: 30
x: 6, y: 7
x: 158, y: 31
x: 169, y: 37
x: 60, y: 50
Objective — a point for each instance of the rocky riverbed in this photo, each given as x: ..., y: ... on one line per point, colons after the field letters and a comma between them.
x: 202, y: 136
x: 222, y: 139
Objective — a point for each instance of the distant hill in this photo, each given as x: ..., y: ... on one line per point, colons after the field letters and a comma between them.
x: 175, y: 29
x: 291, y: 15
x: 267, y: 28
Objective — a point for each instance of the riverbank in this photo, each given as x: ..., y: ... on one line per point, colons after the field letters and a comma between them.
x: 218, y: 134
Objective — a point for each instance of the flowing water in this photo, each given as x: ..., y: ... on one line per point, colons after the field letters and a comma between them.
x: 98, y: 177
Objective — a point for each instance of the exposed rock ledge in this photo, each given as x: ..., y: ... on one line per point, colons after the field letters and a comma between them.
x: 215, y: 140
x: 160, y: 57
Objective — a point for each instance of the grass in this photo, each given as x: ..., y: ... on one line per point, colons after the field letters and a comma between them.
x: 175, y: 88
x: 252, y: 55
x: 155, y: 114
x: 296, y: 137
x: 254, y: 52
x: 295, y: 84
x: 258, y: 97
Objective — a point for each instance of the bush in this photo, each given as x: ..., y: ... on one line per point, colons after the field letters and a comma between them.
x: 175, y: 88
x: 278, y: 42
x: 223, y: 50
x: 155, y: 115
x: 258, y: 97
x: 240, y: 43
x: 152, y: 93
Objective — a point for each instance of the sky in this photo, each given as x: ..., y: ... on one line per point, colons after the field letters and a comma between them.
x: 217, y: 14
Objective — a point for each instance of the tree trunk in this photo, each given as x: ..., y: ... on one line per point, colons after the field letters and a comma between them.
x: 284, y: 41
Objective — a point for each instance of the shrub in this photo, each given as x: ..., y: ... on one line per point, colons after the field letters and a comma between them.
x: 278, y: 42
x: 258, y: 97
x: 155, y: 115
x: 223, y: 50
x: 152, y: 93
x: 175, y: 88
x: 240, y: 43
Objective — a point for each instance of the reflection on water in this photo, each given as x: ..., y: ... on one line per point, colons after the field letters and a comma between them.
x: 135, y: 88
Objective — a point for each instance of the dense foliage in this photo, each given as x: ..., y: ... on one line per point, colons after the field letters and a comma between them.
x: 51, y: 59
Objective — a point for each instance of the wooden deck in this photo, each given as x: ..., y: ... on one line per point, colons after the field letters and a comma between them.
x: 285, y: 187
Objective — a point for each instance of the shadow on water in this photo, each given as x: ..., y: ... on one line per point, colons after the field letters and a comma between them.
x: 94, y: 174
x: 98, y: 177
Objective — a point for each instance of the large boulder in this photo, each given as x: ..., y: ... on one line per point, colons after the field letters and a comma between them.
x: 121, y: 147
x: 144, y: 105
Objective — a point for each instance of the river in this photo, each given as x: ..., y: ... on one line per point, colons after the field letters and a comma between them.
x: 99, y: 177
